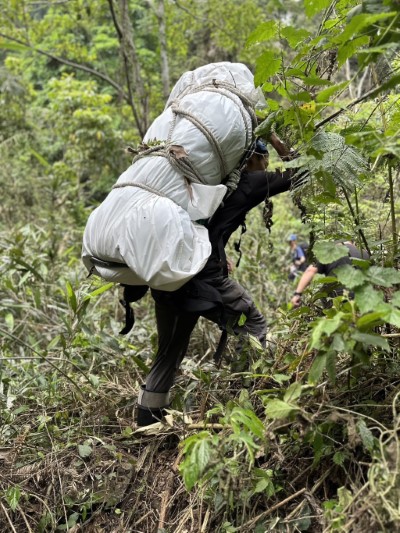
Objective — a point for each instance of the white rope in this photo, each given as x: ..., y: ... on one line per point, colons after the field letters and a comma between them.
x: 183, y: 165
x: 140, y: 186
x: 208, y: 135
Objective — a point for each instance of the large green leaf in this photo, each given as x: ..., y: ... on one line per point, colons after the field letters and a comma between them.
x: 349, y: 276
x: 267, y: 65
x: 327, y: 251
x: 371, y: 340
x: 294, y: 36
x: 280, y: 409
x: 386, y: 277
x: 367, y: 298
x: 264, y: 32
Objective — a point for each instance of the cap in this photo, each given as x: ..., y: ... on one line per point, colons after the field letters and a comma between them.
x: 292, y: 237
x: 261, y: 147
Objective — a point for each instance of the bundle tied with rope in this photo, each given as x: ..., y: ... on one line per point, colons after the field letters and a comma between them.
x: 148, y: 230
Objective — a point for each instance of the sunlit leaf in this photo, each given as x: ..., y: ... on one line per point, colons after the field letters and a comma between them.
x: 264, y: 32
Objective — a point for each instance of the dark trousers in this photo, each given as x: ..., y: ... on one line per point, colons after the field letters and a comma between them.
x: 175, y: 327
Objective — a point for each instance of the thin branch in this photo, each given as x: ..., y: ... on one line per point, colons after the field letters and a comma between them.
x: 370, y: 94
x: 356, y: 221
x: 77, y: 66
x: 127, y: 66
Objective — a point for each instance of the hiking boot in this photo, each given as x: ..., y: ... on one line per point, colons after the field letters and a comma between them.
x: 151, y: 407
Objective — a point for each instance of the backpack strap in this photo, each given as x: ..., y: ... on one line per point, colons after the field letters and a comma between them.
x: 219, y: 352
x: 239, y: 242
x: 132, y: 293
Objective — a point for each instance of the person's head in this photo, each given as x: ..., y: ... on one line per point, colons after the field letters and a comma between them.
x: 259, y: 158
x: 292, y: 240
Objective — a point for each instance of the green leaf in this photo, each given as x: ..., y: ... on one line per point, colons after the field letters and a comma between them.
x: 262, y: 485
x: 84, y: 450
x: 396, y: 299
x: 266, y: 126
x: 202, y: 454
x: 317, y: 368
x: 392, y: 82
x: 325, y: 95
x: 331, y: 365
x: 366, y: 435
x: 99, y: 291
x: 386, y: 277
x: 325, y: 326
x: 359, y: 23
x: 264, y: 32
x: 339, y: 458
x: 13, y: 495
x: 367, y: 298
x: 141, y: 364
x: 71, y: 297
x: 312, y: 7
x: 267, y: 64
x: 40, y: 158
x: 279, y: 409
x: 350, y: 48
x: 327, y: 251
x: 371, y: 340
x: 294, y: 36
x: 249, y: 419
x: 9, y: 320
x: 393, y: 316
x: 370, y: 318
x: 293, y: 392
x: 242, y: 320
x: 15, y: 47
x: 349, y: 276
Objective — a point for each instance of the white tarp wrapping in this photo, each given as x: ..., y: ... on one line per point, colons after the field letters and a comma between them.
x: 147, y: 222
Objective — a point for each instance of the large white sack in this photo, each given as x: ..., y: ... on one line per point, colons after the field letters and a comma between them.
x: 151, y: 234
x: 147, y: 223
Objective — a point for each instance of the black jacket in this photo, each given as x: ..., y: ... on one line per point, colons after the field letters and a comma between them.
x: 253, y: 189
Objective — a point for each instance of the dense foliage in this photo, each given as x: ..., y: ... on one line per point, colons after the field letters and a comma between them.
x: 307, y: 438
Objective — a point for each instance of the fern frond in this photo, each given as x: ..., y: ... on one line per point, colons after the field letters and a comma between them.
x: 334, y: 158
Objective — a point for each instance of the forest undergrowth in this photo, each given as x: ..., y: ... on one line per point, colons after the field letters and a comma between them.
x: 279, y: 445
x: 300, y: 436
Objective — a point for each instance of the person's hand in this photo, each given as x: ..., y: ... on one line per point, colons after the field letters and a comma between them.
x: 230, y: 265
x: 296, y: 300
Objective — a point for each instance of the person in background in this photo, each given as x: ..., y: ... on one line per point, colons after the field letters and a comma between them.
x: 326, y: 270
x: 178, y: 312
x: 298, y: 257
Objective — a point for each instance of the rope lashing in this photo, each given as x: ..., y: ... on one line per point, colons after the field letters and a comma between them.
x: 232, y: 182
x: 182, y: 164
x: 140, y: 186
x: 207, y: 134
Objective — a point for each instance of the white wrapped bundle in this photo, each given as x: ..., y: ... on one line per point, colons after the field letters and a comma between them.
x: 147, y: 222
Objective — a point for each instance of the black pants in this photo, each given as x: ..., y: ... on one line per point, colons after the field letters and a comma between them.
x: 175, y: 327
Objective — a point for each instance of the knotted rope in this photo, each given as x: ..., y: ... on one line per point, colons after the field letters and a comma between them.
x: 182, y: 163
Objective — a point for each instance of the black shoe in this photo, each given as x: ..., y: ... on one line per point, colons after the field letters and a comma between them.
x: 146, y: 417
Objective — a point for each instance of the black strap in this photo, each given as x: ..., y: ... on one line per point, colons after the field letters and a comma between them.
x: 107, y: 264
x: 220, y: 348
x: 132, y: 293
x: 239, y: 242
x: 129, y: 317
